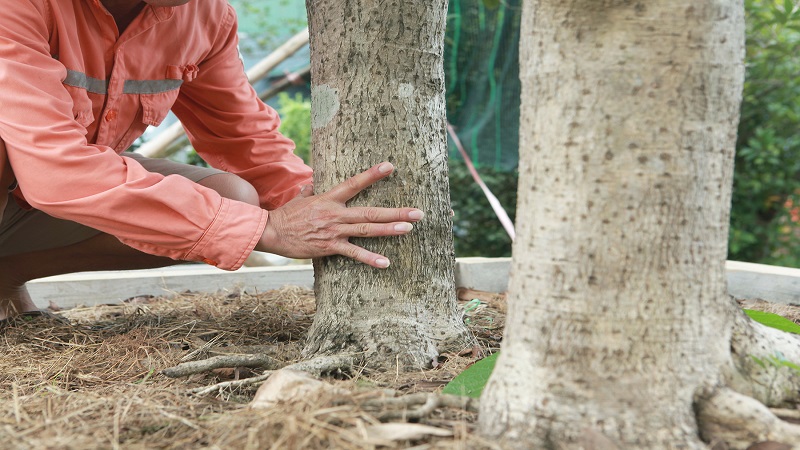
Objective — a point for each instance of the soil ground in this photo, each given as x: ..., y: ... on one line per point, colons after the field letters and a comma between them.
x: 95, y: 383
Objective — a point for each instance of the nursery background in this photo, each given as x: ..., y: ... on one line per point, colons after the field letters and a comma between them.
x: 483, y: 91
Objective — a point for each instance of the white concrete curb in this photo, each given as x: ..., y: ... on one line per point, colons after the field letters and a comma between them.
x: 745, y: 280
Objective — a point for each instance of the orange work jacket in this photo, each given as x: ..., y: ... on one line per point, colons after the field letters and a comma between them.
x: 74, y: 95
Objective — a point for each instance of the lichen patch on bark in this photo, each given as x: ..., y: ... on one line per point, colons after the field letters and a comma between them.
x: 326, y: 104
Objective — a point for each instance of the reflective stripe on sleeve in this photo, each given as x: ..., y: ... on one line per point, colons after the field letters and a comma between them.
x: 150, y: 86
x: 81, y: 80
x: 98, y: 86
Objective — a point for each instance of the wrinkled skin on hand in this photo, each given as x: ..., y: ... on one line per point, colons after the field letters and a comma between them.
x: 312, y: 226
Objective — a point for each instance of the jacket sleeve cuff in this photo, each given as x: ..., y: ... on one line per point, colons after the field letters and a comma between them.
x: 231, y: 237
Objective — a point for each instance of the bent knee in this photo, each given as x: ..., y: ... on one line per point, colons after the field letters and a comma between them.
x: 232, y: 186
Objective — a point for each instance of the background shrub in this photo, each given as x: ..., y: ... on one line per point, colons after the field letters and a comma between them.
x: 295, y: 113
x: 764, y: 214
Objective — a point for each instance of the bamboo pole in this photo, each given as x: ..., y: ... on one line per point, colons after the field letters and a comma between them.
x: 290, y: 47
x: 284, y: 83
x: 161, y: 146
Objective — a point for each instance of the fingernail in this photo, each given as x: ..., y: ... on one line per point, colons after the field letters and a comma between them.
x: 380, y: 262
x: 403, y: 227
x: 416, y: 215
x: 385, y: 167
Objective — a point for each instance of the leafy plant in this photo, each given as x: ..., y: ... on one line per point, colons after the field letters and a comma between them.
x: 765, y: 212
x: 774, y: 363
x: 476, y: 229
x: 470, y: 307
x: 295, y: 114
x: 471, y: 381
x: 774, y: 321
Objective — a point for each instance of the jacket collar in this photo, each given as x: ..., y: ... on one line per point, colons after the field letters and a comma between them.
x: 161, y: 12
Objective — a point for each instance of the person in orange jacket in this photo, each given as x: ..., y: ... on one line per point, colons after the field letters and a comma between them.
x: 80, y: 80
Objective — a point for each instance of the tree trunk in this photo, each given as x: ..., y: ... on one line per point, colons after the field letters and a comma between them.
x: 620, y: 328
x: 378, y: 95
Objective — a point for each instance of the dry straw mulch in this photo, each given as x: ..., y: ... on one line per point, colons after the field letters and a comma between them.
x: 96, y: 384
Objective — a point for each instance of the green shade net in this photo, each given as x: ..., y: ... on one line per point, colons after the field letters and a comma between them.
x: 482, y: 75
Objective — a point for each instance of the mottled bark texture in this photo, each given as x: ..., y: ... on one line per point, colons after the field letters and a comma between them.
x: 378, y: 95
x: 620, y: 332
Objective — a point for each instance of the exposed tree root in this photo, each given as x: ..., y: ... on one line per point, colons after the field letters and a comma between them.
x: 766, y: 362
x: 784, y: 413
x: 388, y: 343
x: 314, y: 366
x: 765, y: 372
x: 424, y: 404
x: 740, y: 421
x: 218, y: 362
x: 325, y: 364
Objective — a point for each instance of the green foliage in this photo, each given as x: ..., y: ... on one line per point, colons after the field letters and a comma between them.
x: 481, y: 64
x: 476, y: 229
x: 471, y: 306
x: 193, y: 158
x: 764, y: 214
x: 775, y: 365
x: 295, y: 113
x: 471, y: 381
x: 774, y: 321
x: 775, y: 361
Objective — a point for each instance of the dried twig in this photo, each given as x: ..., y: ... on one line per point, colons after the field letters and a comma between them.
x: 314, y: 366
x: 232, y: 384
x: 217, y: 362
x: 203, y: 348
x: 97, y: 377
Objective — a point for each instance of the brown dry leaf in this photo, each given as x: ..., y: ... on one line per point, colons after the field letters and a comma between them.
x: 225, y: 373
x: 287, y: 385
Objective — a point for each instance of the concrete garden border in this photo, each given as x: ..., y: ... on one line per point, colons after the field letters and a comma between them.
x: 745, y: 280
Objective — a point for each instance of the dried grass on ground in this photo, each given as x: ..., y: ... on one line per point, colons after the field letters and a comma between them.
x: 95, y: 384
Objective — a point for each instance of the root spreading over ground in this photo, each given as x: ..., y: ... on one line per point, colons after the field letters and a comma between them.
x: 97, y: 383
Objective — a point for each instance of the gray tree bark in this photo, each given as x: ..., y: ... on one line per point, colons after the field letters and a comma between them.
x: 620, y: 332
x: 378, y: 95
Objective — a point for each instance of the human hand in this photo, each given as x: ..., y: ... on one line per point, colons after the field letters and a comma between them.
x: 312, y: 226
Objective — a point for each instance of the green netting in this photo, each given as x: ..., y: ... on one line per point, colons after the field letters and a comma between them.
x: 482, y: 70
x: 481, y: 66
